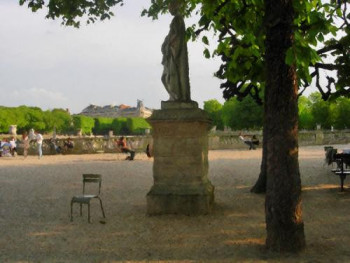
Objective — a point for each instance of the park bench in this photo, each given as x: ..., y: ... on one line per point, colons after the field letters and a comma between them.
x: 341, y: 170
x: 330, y: 156
x: 342, y: 175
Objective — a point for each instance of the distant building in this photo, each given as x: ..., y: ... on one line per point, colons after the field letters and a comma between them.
x: 112, y: 111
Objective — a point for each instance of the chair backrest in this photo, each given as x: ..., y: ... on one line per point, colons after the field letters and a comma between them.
x: 330, y: 155
x: 92, y: 178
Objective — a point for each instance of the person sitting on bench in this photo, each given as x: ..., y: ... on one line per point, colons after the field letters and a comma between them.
x: 121, y: 143
x: 251, y: 141
x: 68, y: 144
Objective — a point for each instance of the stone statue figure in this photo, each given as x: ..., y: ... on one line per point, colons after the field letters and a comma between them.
x: 175, y: 75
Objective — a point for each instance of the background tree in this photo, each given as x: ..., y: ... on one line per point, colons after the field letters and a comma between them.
x: 342, y: 113
x: 58, y: 119
x: 63, y: 121
x: 5, y: 119
x: 245, y: 114
x: 35, y: 118
x: 214, y: 109
x: 321, y: 111
x: 27, y: 118
x: 306, y: 120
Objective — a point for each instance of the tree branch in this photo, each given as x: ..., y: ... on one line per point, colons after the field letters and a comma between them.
x: 326, y: 66
x: 326, y: 49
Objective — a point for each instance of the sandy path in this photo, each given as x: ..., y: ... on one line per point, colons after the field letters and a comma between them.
x: 35, y: 227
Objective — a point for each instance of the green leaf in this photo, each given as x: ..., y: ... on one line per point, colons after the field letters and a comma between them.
x: 205, y: 40
x: 290, y: 57
x: 206, y: 53
x: 339, y: 12
x: 320, y: 37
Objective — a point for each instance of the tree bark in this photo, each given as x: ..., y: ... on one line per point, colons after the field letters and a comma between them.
x: 260, y: 185
x: 284, y: 224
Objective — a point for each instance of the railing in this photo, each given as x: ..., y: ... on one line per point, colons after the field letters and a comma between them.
x: 216, y: 140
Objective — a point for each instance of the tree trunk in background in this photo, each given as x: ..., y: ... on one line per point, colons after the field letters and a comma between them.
x: 284, y: 224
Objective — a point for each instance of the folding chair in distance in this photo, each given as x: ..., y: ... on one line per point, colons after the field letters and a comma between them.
x: 86, y: 198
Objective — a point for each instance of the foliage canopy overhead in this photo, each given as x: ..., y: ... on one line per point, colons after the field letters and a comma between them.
x: 72, y: 12
x: 321, y: 43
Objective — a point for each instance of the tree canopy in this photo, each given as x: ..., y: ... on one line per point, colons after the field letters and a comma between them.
x: 214, y: 109
x: 27, y: 118
x: 313, y: 111
x: 245, y: 114
x: 321, y: 43
x: 72, y: 12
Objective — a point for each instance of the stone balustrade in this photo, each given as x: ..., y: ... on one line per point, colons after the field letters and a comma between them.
x: 87, y: 145
x: 218, y: 140
x: 230, y: 140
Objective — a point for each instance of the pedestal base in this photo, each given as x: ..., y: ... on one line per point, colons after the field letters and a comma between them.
x: 183, y: 201
x: 180, y: 168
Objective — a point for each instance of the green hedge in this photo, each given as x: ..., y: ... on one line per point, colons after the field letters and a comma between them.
x: 83, y: 123
x: 120, y: 126
x: 138, y: 125
x: 103, y: 125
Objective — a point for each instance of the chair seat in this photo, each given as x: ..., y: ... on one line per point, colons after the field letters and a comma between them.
x: 86, y: 198
x: 83, y: 198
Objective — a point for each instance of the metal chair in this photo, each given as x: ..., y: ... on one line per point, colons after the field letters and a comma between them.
x: 330, y: 155
x: 86, y: 198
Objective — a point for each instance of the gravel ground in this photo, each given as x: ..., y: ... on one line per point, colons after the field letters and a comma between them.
x: 35, y: 212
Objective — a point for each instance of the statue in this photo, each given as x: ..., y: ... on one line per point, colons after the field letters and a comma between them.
x: 13, y: 130
x: 175, y: 75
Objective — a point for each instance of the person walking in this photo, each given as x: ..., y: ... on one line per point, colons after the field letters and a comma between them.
x: 25, y: 141
x: 13, y: 147
x: 39, y: 141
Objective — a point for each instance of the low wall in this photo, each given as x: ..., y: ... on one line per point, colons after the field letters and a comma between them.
x: 319, y: 137
x: 87, y: 145
x: 229, y: 140
x: 219, y: 140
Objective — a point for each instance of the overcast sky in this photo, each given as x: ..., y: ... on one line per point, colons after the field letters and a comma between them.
x: 45, y: 64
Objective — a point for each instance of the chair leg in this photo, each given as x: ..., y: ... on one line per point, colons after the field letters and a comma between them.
x: 342, y: 178
x: 89, y: 213
x: 103, y: 212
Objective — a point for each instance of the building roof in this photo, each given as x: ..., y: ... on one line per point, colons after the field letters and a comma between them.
x: 113, y: 110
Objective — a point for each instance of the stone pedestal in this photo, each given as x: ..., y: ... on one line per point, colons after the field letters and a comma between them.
x: 180, y: 169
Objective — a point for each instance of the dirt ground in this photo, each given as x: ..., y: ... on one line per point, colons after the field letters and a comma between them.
x: 35, y: 212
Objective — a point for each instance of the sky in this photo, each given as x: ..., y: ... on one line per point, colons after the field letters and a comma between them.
x: 47, y: 65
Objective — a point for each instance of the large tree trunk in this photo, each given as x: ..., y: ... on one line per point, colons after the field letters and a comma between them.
x: 284, y: 224
x: 260, y: 185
